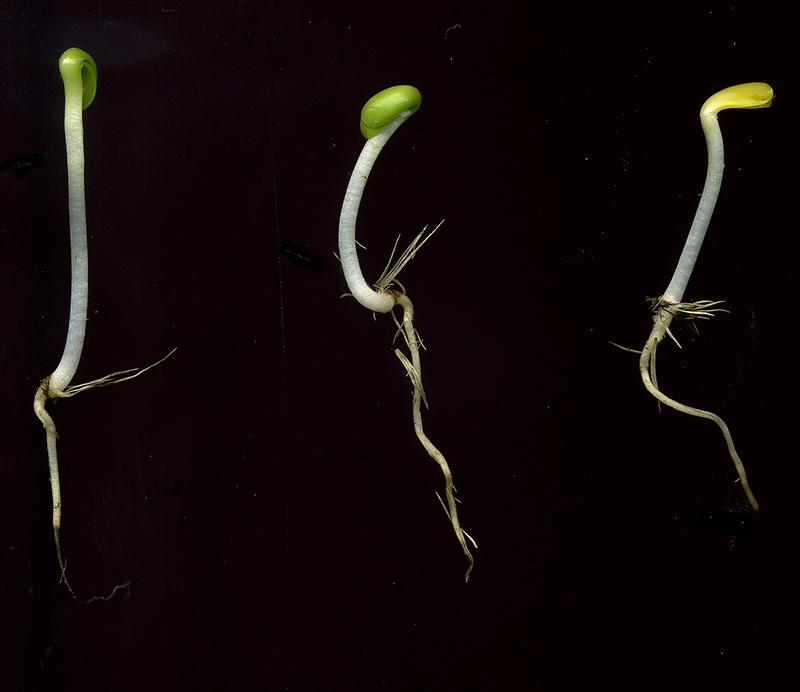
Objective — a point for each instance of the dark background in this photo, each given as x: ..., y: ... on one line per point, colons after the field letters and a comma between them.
x: 263, y: 489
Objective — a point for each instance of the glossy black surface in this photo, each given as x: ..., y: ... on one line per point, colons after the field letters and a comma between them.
x: 262, y: 488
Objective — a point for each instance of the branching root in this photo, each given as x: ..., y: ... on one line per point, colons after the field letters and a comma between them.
x: 665, y: 312
x: 43, y: 394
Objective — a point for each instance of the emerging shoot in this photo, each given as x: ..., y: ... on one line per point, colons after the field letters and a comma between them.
x: 380, y: 118
x: 79, y: 74
x: 670, y: 306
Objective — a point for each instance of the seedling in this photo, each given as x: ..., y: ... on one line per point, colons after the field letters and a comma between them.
x: 79, y: 74
x: 670, y: 306
x: 380, y: 118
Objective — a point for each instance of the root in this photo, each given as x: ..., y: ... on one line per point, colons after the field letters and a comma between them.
x: 701, y: 309
x: 63, y: 566
x: 665, y: 313
x: 389, y: 276
x: 416, y: 380
x: 415, y: 373
x: 447, y: 512
x: 43, y: 394
x: 625, y: 348
x: 111, y: 378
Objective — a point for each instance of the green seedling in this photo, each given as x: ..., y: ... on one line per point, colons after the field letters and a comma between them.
x: 670, y: 305
x: 79, y: 74
x: 380, y: 118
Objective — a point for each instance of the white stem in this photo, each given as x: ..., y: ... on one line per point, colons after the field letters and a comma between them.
x: 716, y: 164
x: 73, y: 130
x: 362, y: 292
